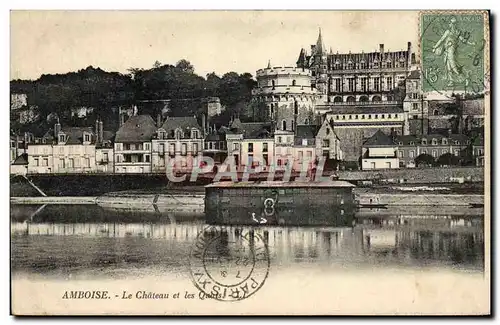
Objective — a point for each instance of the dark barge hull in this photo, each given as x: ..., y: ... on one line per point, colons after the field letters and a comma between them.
x: 280, y: 203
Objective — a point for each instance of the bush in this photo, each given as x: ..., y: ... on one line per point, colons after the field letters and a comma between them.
x: 448, y: 159
x: 424, y: 160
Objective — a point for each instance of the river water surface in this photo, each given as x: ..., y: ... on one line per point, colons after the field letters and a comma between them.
x: 144, y: 248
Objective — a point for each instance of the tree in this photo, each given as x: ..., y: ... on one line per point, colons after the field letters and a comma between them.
x: 448, y: 159
x: 157, y: 64
x: 185, y: 66
x: 424, y: 160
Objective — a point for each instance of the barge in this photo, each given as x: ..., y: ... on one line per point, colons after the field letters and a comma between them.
x: 280, y: 203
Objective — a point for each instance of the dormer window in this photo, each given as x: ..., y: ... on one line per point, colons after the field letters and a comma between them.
x: 434, y: 142
x: 412, y: 143
x: 424, y: 141
x: 457, y: 142
x: 178, y: 134
x: 362, y: 65
x: 388, y: 64
x: 62, y: 138
x: 86, y: 137
x: 400, y: 143
x: 161, y: 135
x: 195, y: 134
x: 445, y: 141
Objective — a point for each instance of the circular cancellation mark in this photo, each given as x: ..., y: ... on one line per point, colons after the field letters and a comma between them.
x: 226, y: 266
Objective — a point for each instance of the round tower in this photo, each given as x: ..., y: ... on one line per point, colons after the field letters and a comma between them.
x: 286, y: 96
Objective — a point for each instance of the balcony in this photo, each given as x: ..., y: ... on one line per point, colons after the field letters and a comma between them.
x: 380, y: 103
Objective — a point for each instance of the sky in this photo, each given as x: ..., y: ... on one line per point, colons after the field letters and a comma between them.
x: 46, y: 42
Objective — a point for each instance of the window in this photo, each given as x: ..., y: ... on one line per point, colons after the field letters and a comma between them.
x: 105, y: 156
x: 301, y: 156
x: 264, y: 147
x: 147, y: 158
x: 351, y: 84
x: 445, y: 141
x: 178, y: 134
x: 434, y: 153
x: 376, y: 84
x: 383, y: 115
x: 362, y: 65
x: 61, y: 138
x: 434, y: 142
x: 415, y: 117
x: 294, y: 83
x: 279, y: 139
x: 412, y: 143
x: 389, y: 81
x: 424, y: 141
x: 304, y: 142
x: 280, y: 162
x: 400, y: 153
x: 457, y: 152
x: 236, y: 146
x: 457, y: 143
x: 250, y: 147
x: 283, y: 125
x: 61, y: 163
x: 87, y: 162
x: 183, y: 148
x: 388, y: 64
x: 161, y: 147
x: 172, y: 148
x: 444, y: 151
x: 343, y: 117
x: 118, y: 146
x: 309, y: 154
x: 288, y: 151
x: 45, y: 162
x: 326, y: 143
x: 349, y: 66
x: 195, y: 134
x: 273, y: 84
x: 71, y: 163
x: 36, y: 162
x: 424, y: 151
x: 412, y: 154
x: 147, y: 146
x: 195, y: 148
x: 415, y: 106
x: 161, y: 135
x: 350, y: 117
x: 87, y: 137
x: 265, y: 157
x: 295, y: 108
x: 328, y: 130
x: 337, y: 84
x: 363, y: 116
x: 292, y: 124
x: 369, y: 116
x: 363, y: 84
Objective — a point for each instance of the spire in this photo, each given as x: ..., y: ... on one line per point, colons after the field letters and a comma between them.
x: 269, y: 64
x: 319, y: 43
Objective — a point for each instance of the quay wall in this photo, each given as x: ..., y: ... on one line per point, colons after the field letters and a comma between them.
x: 417, y: 175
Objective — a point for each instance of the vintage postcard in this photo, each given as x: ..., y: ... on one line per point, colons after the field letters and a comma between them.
x: 250, y: 162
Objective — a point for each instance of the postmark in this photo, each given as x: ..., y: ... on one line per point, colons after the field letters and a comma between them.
x: 454, y: 48
x: 229, y: 264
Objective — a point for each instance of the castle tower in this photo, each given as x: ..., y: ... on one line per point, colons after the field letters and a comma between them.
x: 285, y: 96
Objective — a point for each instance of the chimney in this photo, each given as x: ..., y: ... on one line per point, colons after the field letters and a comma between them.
x: 449, y: 132
x: 382, y: 50
x: 57, y: 128
x: 101, y: 132
x: 409, y: 57
x: 96, y: 130
x: 204, y: 123
x: 121, y: 117
x: 158, y: 120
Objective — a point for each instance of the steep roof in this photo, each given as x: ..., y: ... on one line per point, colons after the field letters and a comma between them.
x: 251, y: 129
x: 415, y: 74
x: 379, y: 139
x: 307, y: 131
x: 183, y: 122
x: 74, y: 135
x: 21, y: 159
x: 406, y: 139
x: 137, y: 129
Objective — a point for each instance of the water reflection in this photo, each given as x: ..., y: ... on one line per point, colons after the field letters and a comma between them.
x: 71, y: 239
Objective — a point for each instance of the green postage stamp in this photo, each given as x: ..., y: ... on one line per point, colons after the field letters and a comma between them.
x: 454, y: 51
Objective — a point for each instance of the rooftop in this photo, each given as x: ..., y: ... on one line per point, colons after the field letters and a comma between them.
x: 138, y: 128
x: 280, y: 184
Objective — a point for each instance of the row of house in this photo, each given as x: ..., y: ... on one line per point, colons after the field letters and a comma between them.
x: 382, y: 151
x: 142, y: 145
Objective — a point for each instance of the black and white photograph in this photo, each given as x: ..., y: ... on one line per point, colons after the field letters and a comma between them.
x: 250, y: 162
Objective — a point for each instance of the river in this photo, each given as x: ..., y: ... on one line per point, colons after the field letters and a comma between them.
x: 67, y: 245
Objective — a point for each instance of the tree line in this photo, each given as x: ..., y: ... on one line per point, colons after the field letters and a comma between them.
x: 105, y: 91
